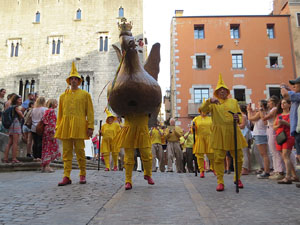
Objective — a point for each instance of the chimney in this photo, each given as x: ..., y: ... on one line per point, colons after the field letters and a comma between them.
x: 178, y: 13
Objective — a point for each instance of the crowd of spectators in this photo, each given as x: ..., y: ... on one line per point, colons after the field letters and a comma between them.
x: 42, y: 147
x: 274, y: 120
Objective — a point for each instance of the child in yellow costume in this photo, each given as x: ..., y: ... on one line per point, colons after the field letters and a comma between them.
x: 135, y: 134
x: 156, y: 135
x: 203, y: 127
x: 188, y: 145
x: 75, y: 123
x: 222, y: 137
x: 109, y: 131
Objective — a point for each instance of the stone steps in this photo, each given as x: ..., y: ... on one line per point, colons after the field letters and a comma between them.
x: 27, y: 164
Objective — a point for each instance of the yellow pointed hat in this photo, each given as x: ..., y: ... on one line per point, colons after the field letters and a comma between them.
x: 220, y: 84
x: 109, y: 114
x: 73, y: 73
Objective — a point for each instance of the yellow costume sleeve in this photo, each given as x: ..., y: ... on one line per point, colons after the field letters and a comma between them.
x: 60, y: 111
x: 90, y: 112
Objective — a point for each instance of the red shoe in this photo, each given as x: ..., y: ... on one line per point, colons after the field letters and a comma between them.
x: 240, y: 184
x: 220, y: 187
x: 106, y: 169
x: 82, y: 179
x: 65, y: 181
x: 128, y: 186
x: 202, y: 175
x: 115, y: 168
x: 149, y: 179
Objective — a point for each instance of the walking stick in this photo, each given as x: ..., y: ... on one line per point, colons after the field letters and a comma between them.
x: 195, y: 158
x: 99, y: 144
x: 235, y: 153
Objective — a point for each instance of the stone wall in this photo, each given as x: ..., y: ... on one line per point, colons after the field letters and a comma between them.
x: 79, y: 39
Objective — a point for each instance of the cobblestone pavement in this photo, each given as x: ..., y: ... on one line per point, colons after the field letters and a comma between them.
x: 35, y: 198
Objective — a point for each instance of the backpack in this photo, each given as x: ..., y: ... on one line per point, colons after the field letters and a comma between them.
x: 8, y: 116
x: 28, y: 118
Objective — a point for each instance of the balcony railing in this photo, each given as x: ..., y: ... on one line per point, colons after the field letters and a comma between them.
x: 193, y: 109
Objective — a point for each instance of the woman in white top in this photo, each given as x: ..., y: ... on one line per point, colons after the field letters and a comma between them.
x: 37, y: 114
x: 278, y: 163
x: 260, y: 135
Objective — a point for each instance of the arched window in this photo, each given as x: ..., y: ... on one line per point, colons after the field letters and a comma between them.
x: 106, y: 44
x: 78, y: 14
x: 101, y: 44
x: 37, y: 17
x: 58, y: 47
x: 12, y: 50
x: 53, y: 47
x: 27, y: 88
x: 21, y: 88
x: 17, y: 50
x: 87, y: 84
x: 121, y: 12
x: 32, y: 86
x: 82, y: 83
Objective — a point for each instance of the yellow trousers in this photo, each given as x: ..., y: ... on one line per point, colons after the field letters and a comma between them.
x: 219, y: 155
x: 106, y: 156
x: 78, y: 146
x: 200, y: 160
x: 146, y: 156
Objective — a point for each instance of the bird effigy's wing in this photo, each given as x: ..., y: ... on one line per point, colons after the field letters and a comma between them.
x: 118, y: 51
x: 153, y: 60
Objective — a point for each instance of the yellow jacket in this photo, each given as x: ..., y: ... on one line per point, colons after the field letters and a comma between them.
x: 75, y: 115
x: 189, y: 140
x: 109, y: 131
x: 173, y: 133
x: 155, y: 136
x: 135, y: 133
x: 203, y: 128
x: 222, y: 136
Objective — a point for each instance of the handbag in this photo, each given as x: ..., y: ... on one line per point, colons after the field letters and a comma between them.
x: 281, y: 138
x: 40, y: 128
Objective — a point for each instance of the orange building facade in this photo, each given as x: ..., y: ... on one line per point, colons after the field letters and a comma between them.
x: 292, y: 8
x: 253, y: 53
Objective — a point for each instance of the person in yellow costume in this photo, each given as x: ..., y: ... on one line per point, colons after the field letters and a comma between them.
x: 135, y: 134
x: 188, y: 145
x: 108, y: 131
x: 203, y: 128
x: 156, y: 134
x: 222, y: 136
x: 173, y: 134
x: 75, y: 123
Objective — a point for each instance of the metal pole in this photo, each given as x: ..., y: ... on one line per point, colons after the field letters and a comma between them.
x: 235, y: 153
x: 99, y: 144
x: 195, y: 158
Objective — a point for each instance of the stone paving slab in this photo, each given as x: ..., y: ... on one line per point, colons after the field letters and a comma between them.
x: 260, y: 202
x: 35, y: 198
x: 166, y: 202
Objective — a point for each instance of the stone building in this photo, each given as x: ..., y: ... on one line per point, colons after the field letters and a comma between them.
x: 39, y: 39
x: 253, y: 53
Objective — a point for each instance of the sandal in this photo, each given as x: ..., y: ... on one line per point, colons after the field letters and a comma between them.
x: 295, y: 179
x: 15, y: 161
x: 284, y: 181
x: 49, y: 170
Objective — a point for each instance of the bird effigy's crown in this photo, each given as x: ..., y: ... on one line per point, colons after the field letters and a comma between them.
x: 124, y: 26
